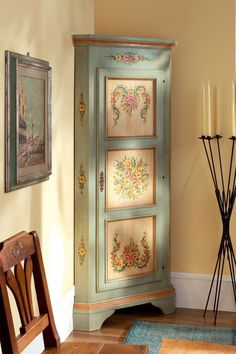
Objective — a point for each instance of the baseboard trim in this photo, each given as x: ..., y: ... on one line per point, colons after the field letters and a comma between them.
x: 192, y: 290
x: 63, y: 312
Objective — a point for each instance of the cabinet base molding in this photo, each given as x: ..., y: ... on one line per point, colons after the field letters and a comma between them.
x: 90, y: 316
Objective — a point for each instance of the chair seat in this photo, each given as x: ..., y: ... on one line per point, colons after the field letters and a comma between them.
x: 95, y: 348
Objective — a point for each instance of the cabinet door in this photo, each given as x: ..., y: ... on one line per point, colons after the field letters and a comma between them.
x: 130, y: 163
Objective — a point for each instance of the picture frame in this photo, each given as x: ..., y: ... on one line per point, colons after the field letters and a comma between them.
x: 27, y: 121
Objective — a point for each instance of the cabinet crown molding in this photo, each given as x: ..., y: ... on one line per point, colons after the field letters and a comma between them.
x: 97, y: 40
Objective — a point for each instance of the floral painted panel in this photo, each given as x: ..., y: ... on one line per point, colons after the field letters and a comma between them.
x: 130, y: 107
x: 130, y: 247
x: 130, y: 178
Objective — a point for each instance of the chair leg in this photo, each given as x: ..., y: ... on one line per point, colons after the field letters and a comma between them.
x: 50, y: 334
x: 7, y: 333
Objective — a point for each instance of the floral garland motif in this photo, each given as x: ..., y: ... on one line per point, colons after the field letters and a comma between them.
x: 129, y: 100
x: 82, y: 107
x: 128, y: 58
x: 134, y: 255
x: 81, y: 178
x: 82, y: 250
x: 130, y: 178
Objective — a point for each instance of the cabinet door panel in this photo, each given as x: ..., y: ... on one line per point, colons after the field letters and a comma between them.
x: 130, y: 178
x: 130, y: 107
x: 130, y: 247
x: 130, y: 124
x: 130, y: 102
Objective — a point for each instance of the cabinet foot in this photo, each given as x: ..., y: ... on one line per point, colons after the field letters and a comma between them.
x: 167, y: 305
x: 90, y: 321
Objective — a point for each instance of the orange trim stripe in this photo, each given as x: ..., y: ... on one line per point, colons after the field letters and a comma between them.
x: 78, y: 41
x: 130, y: 299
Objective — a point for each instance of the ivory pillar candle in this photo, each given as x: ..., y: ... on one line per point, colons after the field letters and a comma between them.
x: 217, y: 126
x: 208, y: 120
x: 203, y: 110
x: 233, y: 109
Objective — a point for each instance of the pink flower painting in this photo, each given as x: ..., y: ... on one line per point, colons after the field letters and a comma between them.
x: 130, y: 100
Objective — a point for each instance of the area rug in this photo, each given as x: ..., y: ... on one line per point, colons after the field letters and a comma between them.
x: 152, y: 334
x: 183, y: 346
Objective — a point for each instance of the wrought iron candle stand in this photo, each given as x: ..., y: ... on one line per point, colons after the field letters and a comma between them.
x: 225, y: 195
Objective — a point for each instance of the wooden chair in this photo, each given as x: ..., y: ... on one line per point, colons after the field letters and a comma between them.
x: 20, y: 259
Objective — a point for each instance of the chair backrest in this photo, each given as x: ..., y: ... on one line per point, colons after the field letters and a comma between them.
x: 20, y: 259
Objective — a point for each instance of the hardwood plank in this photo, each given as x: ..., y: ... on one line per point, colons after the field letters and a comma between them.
x: 97, y: 348
x: 124, y: 349
x: 72, y: 348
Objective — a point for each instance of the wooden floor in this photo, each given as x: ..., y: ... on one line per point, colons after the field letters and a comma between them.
x: 115, y: 328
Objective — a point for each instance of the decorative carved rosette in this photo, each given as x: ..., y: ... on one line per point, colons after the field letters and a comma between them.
x: 18, y: 248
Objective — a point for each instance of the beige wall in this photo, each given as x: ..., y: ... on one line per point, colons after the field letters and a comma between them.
x: 205, y: 33
x: 44, y: 28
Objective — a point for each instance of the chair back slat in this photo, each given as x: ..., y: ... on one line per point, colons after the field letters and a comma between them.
x: 12, y: 284
x: 21, y: 281
x: 28, y: 279
x: 22, y: 253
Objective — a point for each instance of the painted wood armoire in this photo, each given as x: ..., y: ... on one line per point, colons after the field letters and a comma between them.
x: 122, y: 176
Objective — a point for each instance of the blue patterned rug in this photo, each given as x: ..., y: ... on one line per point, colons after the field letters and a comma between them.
x: 151, y: 334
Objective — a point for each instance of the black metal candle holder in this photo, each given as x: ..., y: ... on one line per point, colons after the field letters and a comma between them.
x: 225, y: 195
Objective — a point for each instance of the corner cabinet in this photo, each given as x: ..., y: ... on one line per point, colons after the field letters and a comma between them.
x: 122, y: 176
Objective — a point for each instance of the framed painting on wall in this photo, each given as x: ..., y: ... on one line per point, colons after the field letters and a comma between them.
x: 130, y: 247
x: 130, y: 178
x: 130, y: 107
x: 28, y: 121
